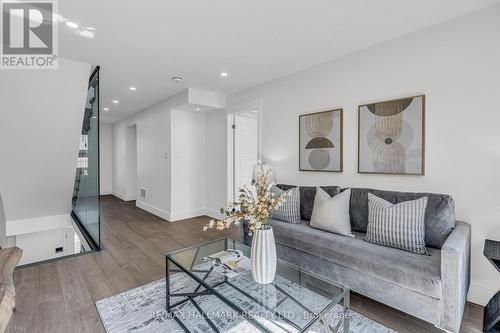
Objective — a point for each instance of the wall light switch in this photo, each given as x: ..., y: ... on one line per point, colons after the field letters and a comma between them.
x: 165, y: 156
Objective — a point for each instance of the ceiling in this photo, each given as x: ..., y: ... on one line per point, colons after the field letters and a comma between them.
x: 144, y: 43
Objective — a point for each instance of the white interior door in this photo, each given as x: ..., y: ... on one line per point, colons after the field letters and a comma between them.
x: 245, y: 155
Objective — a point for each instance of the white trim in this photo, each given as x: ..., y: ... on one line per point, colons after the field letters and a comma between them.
x: 187, y: 214
x: 37, y: 224
x: 119, y: 195
x: 231, y: 110
x: 480, y: 295
x: 213, y: 214
x: 153, y: 210
x: 229, y: 141
x: 124, y: 197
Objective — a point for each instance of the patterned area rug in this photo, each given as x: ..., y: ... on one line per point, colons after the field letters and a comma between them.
x: 143, y: 310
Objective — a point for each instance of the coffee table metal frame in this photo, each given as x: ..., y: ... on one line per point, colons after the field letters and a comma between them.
x: 344, y: 296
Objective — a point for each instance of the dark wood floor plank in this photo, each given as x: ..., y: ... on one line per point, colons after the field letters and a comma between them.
x: 85, y: 320
x: 49, y: 283
x: 52, y: 316
x: 76, y: 292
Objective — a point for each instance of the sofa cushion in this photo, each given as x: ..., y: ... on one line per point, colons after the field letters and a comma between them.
x: 401, y: 225
x: 439, y: 215
x: 289, y: 211
x: 415, y: 272
x: 307, y: 194
x: 332, y: 213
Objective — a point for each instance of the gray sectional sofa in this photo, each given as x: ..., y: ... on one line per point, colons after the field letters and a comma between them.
x: 433, y: 288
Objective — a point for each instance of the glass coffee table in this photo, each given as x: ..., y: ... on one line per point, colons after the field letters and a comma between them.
x: 217, y: 301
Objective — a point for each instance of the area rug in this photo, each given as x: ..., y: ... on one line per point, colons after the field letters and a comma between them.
x: 142, y: 309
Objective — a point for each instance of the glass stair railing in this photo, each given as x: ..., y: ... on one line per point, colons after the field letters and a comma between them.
x: 85, y: 204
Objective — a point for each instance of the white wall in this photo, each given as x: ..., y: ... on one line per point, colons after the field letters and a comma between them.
x: 188, y: 164
x: 39, y: 237
x: 457, y: 66
x: 41, y: 114
x: 153, y: 156
x: 131, y: 162
x: 106, y: 158
x: 215, y: 161
x: 171, y: 160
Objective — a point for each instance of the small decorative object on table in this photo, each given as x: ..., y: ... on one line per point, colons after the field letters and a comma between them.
x: 255, y: 204
x: 491, y: 322
x: 226, y: 261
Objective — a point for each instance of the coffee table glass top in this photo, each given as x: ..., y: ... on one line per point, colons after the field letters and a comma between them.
x: 296, y: 301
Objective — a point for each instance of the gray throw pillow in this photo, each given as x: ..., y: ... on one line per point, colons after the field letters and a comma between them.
x: 401, y: 226
x: 290, y: 210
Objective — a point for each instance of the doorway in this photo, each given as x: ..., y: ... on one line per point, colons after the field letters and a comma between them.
x: 245, y: 151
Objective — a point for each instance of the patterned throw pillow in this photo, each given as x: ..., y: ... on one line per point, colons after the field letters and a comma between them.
x: 290, y: 210
x: 400, y: 226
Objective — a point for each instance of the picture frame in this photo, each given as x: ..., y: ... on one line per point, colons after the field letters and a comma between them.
x: 391, y: 137
x: 321, y: 141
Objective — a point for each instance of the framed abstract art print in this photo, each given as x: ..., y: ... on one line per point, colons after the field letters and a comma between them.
x: 391, y: 137
x: 320, y: 141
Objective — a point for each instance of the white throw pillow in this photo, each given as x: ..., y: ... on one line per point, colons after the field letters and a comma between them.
x: 332, y: 213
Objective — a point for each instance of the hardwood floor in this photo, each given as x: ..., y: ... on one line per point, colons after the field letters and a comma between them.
x: 59, y: 296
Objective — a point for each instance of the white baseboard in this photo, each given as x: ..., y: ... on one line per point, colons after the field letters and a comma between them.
x: 480, y: 295
x: 119, y: 195
x: 177, y: 216
x: 187, y: 214
x: 131, y: 197
x: 153, y: 210
x: 214, y: 214
x: 125, y: 197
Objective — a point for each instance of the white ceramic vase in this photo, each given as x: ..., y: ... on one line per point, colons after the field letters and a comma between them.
x: 263, y: 255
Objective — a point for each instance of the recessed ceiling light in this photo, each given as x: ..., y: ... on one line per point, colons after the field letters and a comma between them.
x: 72, y: 24
x: 132, y: 88
x: 106, y: 109
x: 116, y: 101
x: 86, y: 34
x: 177, y: 79
x: 224, y: 74
x: 198, y: 109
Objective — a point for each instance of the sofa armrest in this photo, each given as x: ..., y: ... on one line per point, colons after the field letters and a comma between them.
x: 455, y: 276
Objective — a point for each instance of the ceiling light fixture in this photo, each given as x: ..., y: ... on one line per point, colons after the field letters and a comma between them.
x: 86, y: 34
x: 72, y: 25
x: 177, y: 79
x: 106, y: 109
x: 198, y: 109
x: 132, y: 88
x: 116, y: 101
x: 224, y: 74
